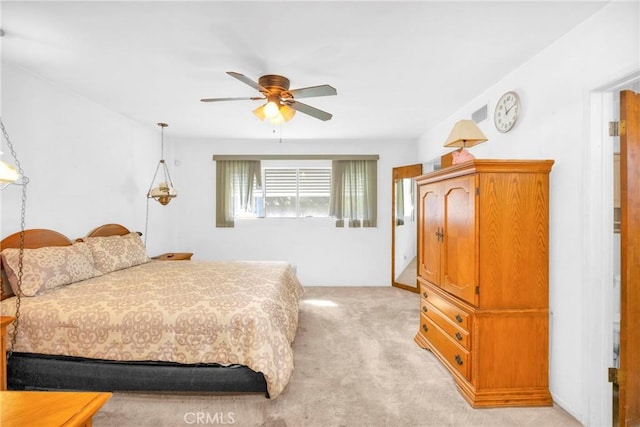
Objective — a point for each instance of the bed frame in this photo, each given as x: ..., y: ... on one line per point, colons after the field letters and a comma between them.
x: 28, y: 371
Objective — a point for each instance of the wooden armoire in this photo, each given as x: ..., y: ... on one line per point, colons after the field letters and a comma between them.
x: 483, y: 250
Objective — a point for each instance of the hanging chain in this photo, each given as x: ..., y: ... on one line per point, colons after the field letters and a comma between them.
x: 162, y: 126
x: 162, y: 162
x: 23, y: 211
x: 167, y: 177
x: 146, y: 223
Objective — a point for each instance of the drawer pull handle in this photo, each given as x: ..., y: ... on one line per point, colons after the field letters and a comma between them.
x: 424, y: 308
x: 459, y: 359
x: 458, y: 336
x: 425, y: 328
x: 458, y: 318
x: 424, y: 294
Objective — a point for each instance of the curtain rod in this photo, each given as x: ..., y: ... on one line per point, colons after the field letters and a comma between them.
x: 295, y: 157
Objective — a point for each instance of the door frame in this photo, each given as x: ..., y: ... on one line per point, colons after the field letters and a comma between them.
x: 597, y: 315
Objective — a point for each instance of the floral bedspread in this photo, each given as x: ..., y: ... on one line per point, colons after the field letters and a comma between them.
x: 227, y: 312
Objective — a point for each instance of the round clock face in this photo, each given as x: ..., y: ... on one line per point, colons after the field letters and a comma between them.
x: 507, y: 111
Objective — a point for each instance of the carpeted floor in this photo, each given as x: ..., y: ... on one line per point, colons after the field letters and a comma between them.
x: 355, y: 365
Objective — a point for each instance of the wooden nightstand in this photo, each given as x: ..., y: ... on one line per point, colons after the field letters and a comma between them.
x: 49, y: 408
x: 171, y: 256
x: 4, y: 322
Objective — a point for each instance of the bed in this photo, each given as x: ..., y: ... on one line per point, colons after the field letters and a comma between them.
x: 98, y: 314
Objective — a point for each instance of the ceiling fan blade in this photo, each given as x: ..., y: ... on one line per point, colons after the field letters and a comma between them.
x: 253, y: 98
x: 308, y: 92
x: 246, y: 80
x: 307, y: 109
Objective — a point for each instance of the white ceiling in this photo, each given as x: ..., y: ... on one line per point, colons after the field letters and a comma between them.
x: 399, y: 67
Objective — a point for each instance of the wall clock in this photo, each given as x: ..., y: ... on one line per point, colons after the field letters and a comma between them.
x: 507, y: 111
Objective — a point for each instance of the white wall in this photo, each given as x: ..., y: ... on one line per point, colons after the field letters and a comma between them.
x: 555, y: 88
x: 87, y: 165
x: 322, y: 253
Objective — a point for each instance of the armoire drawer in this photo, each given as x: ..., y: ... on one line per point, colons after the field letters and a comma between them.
x: 457, y: 315
x: 459, y: 335
x: 457, y: 356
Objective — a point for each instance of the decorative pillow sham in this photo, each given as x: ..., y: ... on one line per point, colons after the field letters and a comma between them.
x: 113, y: 253
x: 47, y: 268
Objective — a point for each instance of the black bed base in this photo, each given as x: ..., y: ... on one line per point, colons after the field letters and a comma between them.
x: 26, y: 371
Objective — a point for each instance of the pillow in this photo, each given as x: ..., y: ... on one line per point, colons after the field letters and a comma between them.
x: 113, y: 253
x: 47, y: 268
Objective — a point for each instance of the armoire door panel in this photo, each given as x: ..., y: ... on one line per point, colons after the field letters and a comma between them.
x: 429, y: 240
x: 459, y: 261
x: 514, y: 227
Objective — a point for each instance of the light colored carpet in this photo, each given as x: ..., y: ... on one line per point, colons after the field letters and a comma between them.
x: 355, y: 365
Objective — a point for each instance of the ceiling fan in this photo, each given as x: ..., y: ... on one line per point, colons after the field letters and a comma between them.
x: 281, y: 103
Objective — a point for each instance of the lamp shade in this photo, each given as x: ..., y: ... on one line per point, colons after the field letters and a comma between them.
x: 287, y: 112
x: 8, y: 173
x: 163, y: 193
x: 465, y: 133
x: 259, y: 112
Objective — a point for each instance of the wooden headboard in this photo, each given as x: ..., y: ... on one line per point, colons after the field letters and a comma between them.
x: 108, y: 230
x: 35, y: 238
x: 40, y: 237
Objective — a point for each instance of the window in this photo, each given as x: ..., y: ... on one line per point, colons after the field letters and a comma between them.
x: 297, y: 187
x: 296, y: 192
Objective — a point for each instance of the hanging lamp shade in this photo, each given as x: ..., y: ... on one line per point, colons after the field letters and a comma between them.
x: 8, y: 174
x: 163, y: 191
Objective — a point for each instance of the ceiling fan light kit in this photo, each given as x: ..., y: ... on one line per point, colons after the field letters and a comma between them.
x: 281, y: 103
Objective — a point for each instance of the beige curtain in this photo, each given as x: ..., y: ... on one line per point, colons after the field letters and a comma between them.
x: 354, y: 192
x: 235, y: 181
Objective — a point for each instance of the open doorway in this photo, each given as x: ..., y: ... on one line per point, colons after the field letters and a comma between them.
x: 624, y: 145
x: 603, y: 261
x: 621, y: 200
